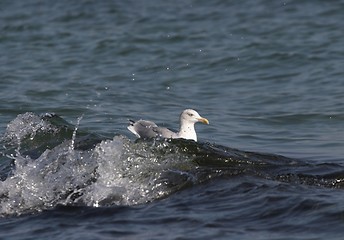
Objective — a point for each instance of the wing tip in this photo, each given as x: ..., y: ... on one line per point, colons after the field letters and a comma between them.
x: 131, y: 128
x: 131, y: 122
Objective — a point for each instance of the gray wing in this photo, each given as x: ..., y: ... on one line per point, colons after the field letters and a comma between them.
x: 148, y: 129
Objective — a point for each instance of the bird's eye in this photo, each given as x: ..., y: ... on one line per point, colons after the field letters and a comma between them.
x: 190, y: 114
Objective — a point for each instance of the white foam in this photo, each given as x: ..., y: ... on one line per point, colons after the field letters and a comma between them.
x: 24, y: 126
x: 115, y: 172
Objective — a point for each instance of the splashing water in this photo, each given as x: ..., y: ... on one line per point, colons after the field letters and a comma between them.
x: 115, y: 171
x: 26, y: 126
x: 109, y: 174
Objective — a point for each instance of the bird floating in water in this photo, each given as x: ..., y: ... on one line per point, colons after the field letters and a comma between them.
x: 148, y: 129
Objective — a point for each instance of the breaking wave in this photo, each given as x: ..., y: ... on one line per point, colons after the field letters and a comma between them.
x: 47, y: 162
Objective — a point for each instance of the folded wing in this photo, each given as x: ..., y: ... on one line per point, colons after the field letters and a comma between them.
x: 148, y: 129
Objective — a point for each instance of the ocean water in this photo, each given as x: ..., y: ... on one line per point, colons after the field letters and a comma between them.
x: 268, y: 75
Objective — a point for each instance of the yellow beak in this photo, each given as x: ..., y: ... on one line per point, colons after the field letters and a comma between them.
x: 203, y: 120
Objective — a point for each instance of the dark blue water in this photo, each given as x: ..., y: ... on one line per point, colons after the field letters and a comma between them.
x: 267, y: 74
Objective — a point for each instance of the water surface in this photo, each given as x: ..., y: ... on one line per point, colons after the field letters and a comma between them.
x: 267, y: 74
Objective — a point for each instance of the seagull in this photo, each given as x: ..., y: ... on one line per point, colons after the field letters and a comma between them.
x: 148, y: 129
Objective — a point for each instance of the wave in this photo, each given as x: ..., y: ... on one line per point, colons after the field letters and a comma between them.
x: 47, y: 162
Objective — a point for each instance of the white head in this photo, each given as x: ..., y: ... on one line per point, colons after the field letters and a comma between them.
x: 191, y: 116
x: 188, y: 118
